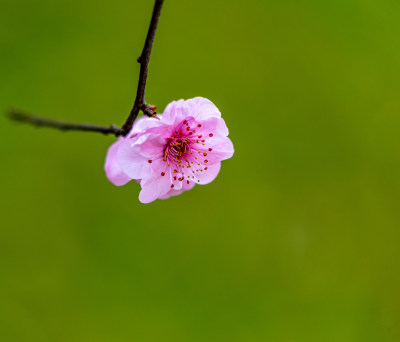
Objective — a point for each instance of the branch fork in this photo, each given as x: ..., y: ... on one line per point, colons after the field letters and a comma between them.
x: 139, y: 104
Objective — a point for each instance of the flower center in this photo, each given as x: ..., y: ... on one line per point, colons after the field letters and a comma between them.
x: 177, y: 147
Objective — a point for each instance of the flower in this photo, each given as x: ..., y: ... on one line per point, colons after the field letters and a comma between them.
x: 169, y: 154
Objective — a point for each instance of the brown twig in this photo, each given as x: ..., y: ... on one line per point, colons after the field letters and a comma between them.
x: 143, y: 59
x: 139, y: 104
x: 61, y: 125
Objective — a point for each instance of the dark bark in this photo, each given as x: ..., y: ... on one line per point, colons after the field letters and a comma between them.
x: 143, y: 59
x: 61, y: 125
x: 139, y: 104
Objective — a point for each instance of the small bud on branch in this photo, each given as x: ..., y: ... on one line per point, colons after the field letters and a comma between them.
x: 139, y: 104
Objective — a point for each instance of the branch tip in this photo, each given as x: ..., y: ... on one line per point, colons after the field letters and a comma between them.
x: 139, y: 103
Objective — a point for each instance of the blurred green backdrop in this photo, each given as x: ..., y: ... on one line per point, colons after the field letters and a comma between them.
x: 297, y: 240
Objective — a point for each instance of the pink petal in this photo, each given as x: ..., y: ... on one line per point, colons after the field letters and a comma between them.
x: 216, y: 126
x: 221, y: 149
x: 174, y: 113
x: 207, y: 176
x: 154, y: 187
x: 201, y: 109
x: 135, y: 156
x: 143, y: 124
x: 198, y: 108
x: 173, y: 192
x: 113, y: 172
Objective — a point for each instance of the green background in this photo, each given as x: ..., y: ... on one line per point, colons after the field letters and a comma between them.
x: 297, y: 240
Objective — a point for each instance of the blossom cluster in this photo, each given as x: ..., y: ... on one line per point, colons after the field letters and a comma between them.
x: 172, y: 152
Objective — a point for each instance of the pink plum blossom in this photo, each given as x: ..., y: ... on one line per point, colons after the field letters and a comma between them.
x: 169, y: 154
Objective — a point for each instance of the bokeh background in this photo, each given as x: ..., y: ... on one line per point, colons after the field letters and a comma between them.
x: 297, y: 240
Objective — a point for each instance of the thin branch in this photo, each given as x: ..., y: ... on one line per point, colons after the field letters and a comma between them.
x: 144, y: 58
x: 61, y: 125
x: 139, y: 104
